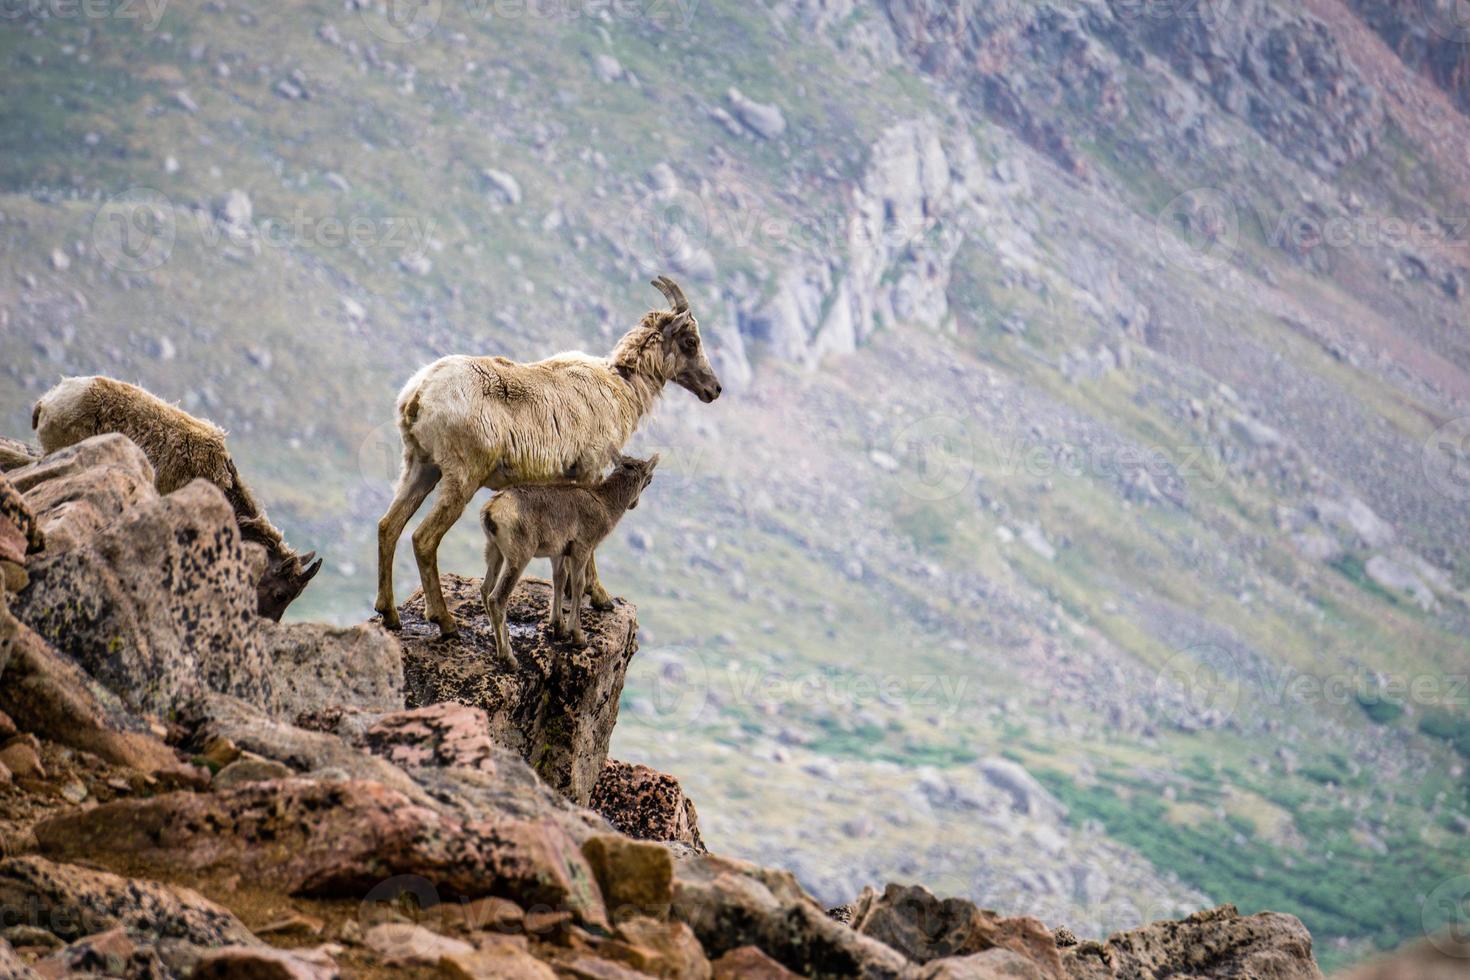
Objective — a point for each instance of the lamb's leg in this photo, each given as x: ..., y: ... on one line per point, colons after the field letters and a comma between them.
x: 454, y: 496
x: 579, y: 582
x: 510, y: 574
x: 414, y: 484
x: 493, y: 562
x: 559, y: 569
x: 600, y: 599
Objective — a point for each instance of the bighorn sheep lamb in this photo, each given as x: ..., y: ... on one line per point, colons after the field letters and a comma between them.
x: 471, y: 422
x: 181, y: 449
x: 564, y: 522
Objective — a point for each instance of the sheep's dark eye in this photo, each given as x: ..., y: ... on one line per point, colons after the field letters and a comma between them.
x: 690, y: 345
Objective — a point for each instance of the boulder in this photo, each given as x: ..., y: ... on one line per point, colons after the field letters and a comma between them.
x: 437, y: 735
x: 730, y: 904
x: 661, y: 949
x: 260, y: 963
x: 315, y: 665
x: 20, y: 532
x: 993, y: 964
x: 112, y: 954
x: 923, y: 927
x: 48, y: 695
x: 325, y: 838
x: 494, y: 960
x: 73, y: 902
x: 558, y: 709
x: 250, y: 768
x: 76, y: 491
x: 749, y: 963
x: 15, y: 454
x: 216, y: 720
x: 1215, y: 943
x: 646, y: 803
x: 158, y: 606
x: 1444, y: 956
x: 761, y: 118
x: 636, y: 877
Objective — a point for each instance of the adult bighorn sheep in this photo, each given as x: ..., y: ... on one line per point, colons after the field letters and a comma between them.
x: 471, y: 422
x: 181, y: 448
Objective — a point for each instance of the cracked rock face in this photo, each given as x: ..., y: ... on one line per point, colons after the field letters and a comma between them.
x: 558, y: 709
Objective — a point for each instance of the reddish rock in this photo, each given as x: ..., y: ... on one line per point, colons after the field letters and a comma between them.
x: 749, y: 963
x: 923, y: 927
x: 22, y: 758
x: 332, y: 839
x: 495, y: 961
x: 48, y: 695
x: 262, y: 963
x: 646, y: 803
x: 73, y: 902
x: 558, y: 709
x: 438, y: 735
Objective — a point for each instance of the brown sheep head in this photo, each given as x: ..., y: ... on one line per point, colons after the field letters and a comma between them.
x: 639, y: 470
x: 683, y: 347
x: 285, y: 578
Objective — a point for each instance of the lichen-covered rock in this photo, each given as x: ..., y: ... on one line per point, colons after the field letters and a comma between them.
x: 923, y: 927
x: 110, y: 954
x: 159, y: 606
x: 438, y: 735
x: 316, y: 665
x: 73, y: 902
x: 558, y: 709
x: 49, y: 696
x: 322, y: 838
x: 1216, y: 943
x: 646, y: 803
x: 15, y: 454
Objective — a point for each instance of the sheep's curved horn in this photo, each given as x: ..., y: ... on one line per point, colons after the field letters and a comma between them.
x: 677, y: 302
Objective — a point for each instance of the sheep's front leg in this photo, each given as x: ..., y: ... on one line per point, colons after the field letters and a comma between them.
x: 600, y: 599
x: 454, y: 496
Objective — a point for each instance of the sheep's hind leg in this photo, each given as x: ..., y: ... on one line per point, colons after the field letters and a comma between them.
x: 494, y: 561
x: 414, y: 484
x: 510, y: 574
x: 600, y: 599
x: 454, y: 496
x: 559, y: 569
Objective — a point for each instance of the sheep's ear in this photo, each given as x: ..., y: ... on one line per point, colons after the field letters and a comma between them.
x: 653, y: 461
x: 675, y: 323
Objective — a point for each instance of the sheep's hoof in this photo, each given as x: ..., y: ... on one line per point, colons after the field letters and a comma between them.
x: 447, y: 626
x: 579, y: 639
x: 390, y: 618
x: 601, y: 601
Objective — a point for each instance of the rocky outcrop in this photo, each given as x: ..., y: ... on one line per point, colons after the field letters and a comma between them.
x: 153, y: 596
x: 72, y: 902
x: 558, y: 709
x: 325, y: 838
x: 1217, y: 943
x: 645, y: 803
x: 922, y: 927
x: 318, y: 788
x: 315, y: 665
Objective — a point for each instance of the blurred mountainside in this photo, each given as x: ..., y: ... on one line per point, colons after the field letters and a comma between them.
x: 1092, y: 472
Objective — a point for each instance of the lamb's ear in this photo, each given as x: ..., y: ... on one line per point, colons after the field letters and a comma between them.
x: 675, y: 323
x: 653, y: 461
